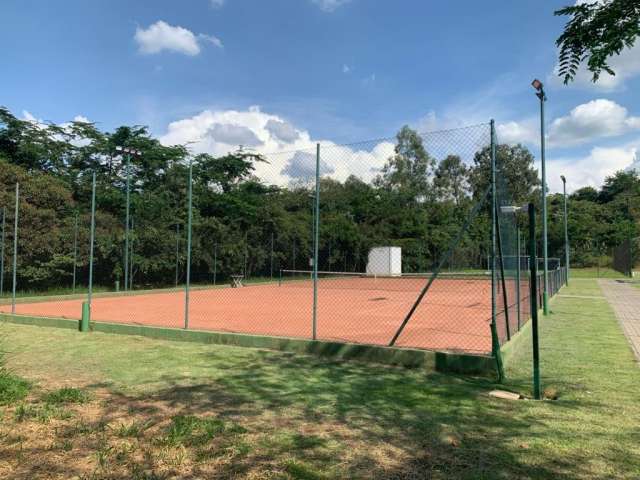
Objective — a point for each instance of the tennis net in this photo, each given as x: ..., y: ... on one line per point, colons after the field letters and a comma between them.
x: 405, y: 282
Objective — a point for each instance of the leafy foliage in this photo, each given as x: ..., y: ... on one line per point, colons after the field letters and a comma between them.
x: 242, y: 224
x: 596, y: 31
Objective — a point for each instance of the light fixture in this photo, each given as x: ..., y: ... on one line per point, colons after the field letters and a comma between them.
x: 564, y: 180
x: 510, y: 209
x: 537, y: 84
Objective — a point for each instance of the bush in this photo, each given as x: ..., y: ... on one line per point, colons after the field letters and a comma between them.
x: 12, y: 388
x: 66, y: 395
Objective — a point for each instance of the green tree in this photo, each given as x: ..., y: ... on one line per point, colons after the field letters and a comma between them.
x: 621, y: 182
x: 516, y: 176
x: 410, y: 168
x: 451, y: 179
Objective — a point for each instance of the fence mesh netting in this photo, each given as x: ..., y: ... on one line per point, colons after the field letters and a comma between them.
x: 401, y: 230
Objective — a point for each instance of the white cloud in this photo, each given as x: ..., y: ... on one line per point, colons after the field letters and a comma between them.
x: 283, y: 131
x: 518, y: 132
x: 212, y: 39
x: 590, y: 121
x: 302, y: 166
x: 29, y: 117
x: 330, y: 5
x: 216, y: 3
x: 286, y: 147
x: 346, y: 68
x: 233, y: 134
x: 592, y: 169
x: 161, y: 36
x: 66, y: 126
x: 595, y: 119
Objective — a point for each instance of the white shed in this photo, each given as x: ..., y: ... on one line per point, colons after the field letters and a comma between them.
x: 385, y: 261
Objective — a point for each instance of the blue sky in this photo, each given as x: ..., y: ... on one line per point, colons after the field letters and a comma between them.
x: 332, y: 70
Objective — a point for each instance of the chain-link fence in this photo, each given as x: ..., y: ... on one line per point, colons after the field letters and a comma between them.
x: 403, y: 241
x: 625, y: 256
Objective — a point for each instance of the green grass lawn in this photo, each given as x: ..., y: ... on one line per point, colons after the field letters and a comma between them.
x: 594, y: 272
x: 156, y: 409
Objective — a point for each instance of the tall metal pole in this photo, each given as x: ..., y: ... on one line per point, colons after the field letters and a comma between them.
x: 271, y: 269
x: 566, y: 229
x: 294, y: 254
x: 131, y: 258
x: 75, y: 252
x: 495, y: 340
x: 316, y: 239
x: 533, y: 266
x: 215, y: 262
x: 4, y: 215
x: 15, y: 250
x: 92, y: 239
x: 126, y: 228
x: 630, y: 239
x: 246, y: 253
x: 543, y: 98
x: 518, y: 275
x: 177, y: 252
x: 188, y: 279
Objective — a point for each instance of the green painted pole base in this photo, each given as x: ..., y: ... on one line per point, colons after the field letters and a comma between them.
x: 545, y: 303
x: 86, y: 317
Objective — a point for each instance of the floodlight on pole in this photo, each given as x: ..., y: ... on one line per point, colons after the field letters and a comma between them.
x: 537, y: 84
x: 539, y: 87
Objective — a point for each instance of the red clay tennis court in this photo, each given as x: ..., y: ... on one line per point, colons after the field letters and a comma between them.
x: 454, y: 316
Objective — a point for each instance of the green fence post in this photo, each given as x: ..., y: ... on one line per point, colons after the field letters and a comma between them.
x: 86, y: 306
x: 91, y: 244
x: 215, y: 263
x: 316, y: 239
x: 15, y: 250
x: 271, y: 260
x: 177, y: 252
x: 189, y: 217
x: 495, y: 340
x: 246, y: 255
x: 131, y: 257
x: 4, y: 215
x: 566, y: 230
x: 126, y: 228
x: 534, y: 302
x: 503, y: 282
x: 75, y: 252
x: 86, y: 316
x: 518, y: 275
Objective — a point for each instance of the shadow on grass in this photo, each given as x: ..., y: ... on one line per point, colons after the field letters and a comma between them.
x: 311, y: 418
x: 441, y: 426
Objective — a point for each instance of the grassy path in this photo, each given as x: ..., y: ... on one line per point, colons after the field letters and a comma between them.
x: 170, y: 410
